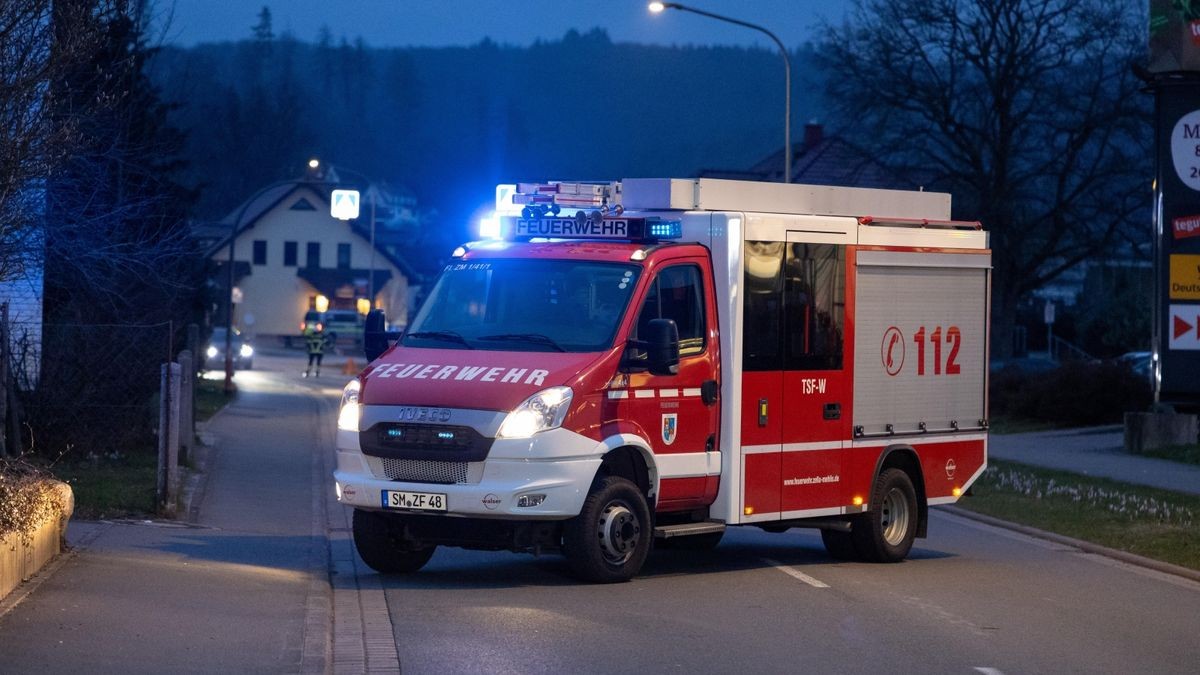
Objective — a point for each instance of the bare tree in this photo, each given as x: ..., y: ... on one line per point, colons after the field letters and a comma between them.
x: 1027, y: 111
x: 29, y: 140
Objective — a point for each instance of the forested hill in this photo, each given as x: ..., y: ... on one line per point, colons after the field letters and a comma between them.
x: 449, y: 123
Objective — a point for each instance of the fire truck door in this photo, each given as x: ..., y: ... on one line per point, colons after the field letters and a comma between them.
x: 816, y: 400
x: 762, y: 410
x: 679, y: 413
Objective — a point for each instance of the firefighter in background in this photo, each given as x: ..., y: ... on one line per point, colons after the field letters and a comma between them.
x: 315, y: 340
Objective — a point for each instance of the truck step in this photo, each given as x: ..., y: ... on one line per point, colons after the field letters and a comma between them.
x: 687, y: 529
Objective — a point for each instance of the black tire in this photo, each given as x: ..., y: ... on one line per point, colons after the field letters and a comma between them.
x: 609, y: 540
x: 382, y: 550
x: 887, y: 531
x: 840, y: 544
x: 696, y: 542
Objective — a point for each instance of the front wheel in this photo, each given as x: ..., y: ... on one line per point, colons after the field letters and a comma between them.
x: 887, y: 531
x: 609, y: 539
x: 382, y: 550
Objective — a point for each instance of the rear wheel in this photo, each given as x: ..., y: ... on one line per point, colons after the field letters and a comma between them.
x: 609, y: 539
x: 887, y: 531
x: 382, y: 550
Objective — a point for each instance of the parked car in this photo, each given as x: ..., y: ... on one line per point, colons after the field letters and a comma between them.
x: 346, y: 324
x: 214, y: 354
x: 1138, y: 362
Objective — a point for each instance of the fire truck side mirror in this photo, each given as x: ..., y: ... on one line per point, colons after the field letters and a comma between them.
x: 662, y: 347
x: 375, y: 337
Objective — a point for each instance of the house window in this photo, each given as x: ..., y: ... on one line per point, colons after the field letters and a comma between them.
x: 343, y: 262
x: 313, y: 254
x: 290, y: 253
x: 260, y: 252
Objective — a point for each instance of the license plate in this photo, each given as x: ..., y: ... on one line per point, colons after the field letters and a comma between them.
x: 421, y: 501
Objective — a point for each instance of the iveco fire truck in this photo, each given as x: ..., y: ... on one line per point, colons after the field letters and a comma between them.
x: 655, y: 360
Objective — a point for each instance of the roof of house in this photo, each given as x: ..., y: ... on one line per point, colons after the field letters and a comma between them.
x: 249, y: 212
x: 327, y: 280
x: 821, y: 160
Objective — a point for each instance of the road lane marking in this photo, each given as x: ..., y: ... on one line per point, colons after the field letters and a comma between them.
x: 989, y: 671
x: 795, y: 573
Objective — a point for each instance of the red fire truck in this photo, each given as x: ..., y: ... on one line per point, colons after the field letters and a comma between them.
x: 659, y: 359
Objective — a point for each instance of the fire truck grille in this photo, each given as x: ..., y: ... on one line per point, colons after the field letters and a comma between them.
x: 430, y: 442
x: 424, y: 471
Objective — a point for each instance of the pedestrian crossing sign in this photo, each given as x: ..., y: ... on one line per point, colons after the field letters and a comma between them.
x: 343, y: 204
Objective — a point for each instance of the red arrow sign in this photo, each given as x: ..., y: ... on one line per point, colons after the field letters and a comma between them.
x: 1181, y: 327
x: 1184, y: 327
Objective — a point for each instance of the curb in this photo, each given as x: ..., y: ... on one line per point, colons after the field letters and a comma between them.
x: 1123, y: 556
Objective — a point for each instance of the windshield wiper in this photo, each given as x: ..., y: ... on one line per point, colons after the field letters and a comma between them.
x: 525, y: 337
x: 447, y: 335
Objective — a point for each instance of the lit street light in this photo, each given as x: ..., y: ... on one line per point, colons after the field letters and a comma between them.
x: 373, y: 193
x: 658, y: 7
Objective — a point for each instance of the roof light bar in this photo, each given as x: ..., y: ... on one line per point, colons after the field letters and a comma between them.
x: 592, y: 225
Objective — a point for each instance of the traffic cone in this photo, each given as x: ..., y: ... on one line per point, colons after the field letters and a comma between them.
x: 351, y: 368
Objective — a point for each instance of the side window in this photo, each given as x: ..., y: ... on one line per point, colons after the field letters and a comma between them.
x: 289, y: 254
x: 763, y: 306
x: 814, y: 305
x: 677, y: 293
x: 260, y: 252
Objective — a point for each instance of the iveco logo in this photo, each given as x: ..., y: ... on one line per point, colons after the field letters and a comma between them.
x: 412, y: 414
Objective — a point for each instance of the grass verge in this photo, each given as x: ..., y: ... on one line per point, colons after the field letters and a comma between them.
x: 1188, y: 454
x: 111, y: 487
x: 210, y: 397
x: 1013, y: 425
x: 1146, y: 521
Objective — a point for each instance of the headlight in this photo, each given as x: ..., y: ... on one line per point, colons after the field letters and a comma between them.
x: 212, y: 352
x: 350, y: 409
x: 543, y: 411
x: 247, y: 351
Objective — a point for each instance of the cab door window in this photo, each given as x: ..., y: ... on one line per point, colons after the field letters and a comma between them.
x: 677, y: 293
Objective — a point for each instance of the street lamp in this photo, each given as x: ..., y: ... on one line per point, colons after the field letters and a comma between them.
x: 658, y: 7
x: 373, y: 193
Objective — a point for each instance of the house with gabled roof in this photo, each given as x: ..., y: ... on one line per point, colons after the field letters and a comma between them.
x: 292, y: 256
x: 821, y: 159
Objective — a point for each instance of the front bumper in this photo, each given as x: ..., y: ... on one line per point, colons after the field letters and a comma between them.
x: 558, y: 464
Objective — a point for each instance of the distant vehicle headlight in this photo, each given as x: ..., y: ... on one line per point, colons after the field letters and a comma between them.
x: 543, y: 411
x: 247, y: 351
x: 212, y: 352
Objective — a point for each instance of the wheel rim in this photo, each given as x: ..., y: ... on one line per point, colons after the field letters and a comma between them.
x: 619, y: 531
x: 894, y: 517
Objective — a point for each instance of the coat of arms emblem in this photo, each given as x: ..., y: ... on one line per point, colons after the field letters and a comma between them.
x: 670, y: 425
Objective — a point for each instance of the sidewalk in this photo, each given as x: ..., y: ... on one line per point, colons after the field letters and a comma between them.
x: 238, y: 590
x: 1095, y: 451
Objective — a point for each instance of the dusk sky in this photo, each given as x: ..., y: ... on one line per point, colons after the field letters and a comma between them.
x: 436, y: 23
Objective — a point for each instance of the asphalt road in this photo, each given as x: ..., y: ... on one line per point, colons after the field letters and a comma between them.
x: 248, y: 591
x: 971, y: 599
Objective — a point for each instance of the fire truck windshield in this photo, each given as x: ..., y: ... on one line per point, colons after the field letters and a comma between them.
x: 525, y: 305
